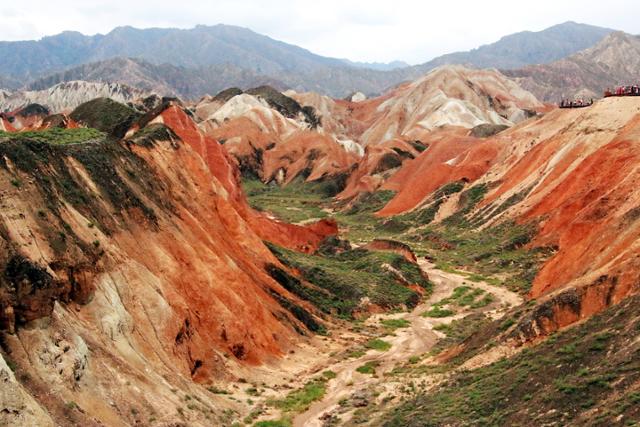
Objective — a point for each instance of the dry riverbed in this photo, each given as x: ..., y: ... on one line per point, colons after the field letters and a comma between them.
x: 350, y: 376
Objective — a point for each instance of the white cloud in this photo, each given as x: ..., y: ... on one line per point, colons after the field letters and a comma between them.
x: 369, y: 30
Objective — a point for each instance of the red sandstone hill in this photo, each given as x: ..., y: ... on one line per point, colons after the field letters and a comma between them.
x: 146, y: 264
x: 574, y: 174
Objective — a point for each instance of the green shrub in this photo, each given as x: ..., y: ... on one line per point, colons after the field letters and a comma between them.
x: 329, y: 375
x: 438, y: 312
x: 368, y: 368
x: 273, y: 423
x: 395, y: 323
x: 378, y: 344
x: 342, y: 280
x: 216, y: 390
x: 299, y: 400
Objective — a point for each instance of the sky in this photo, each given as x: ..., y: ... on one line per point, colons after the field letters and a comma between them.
x: 361, y: 30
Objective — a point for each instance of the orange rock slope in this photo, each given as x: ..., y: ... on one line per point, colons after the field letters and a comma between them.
x: 452, y: 156
x: 437, y: 110
x: 147, y: 268
x: 274, y: 147
x: 575, y: 174
x: 33, y: 117
x: 219, y: 162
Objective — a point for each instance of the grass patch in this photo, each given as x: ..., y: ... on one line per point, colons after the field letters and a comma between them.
x: 369, y: 203
x: 58, y: 136
x: 339, y: 282
x: 466, y: 296
x: 550, y: 383
x: 454, y: 243
x: 273, y: 423
x: 329, y: 375
x: 296, y: 202
x: 368, y: 368
x: 438, y: 312
x: 395, y: 323
x: 216, y: 390
x: 355, y: 354
x: 300, y: 400
x: 497, y: 251
x: 459, y: 330
x: 378, y: 344
x: 106, y: 115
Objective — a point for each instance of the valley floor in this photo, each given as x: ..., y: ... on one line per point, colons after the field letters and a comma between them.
x: 357, y: 379
x: 406, y: 343
x: 455, y: 358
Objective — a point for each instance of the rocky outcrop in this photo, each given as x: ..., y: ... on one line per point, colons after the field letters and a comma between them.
x: 64, y: 97
x: 487, y: 130
x: 275, y: 139
x: 106, y: 115
x: 392, y: 246
x: 17, y: 405
x: 452, y: 156
x: 450, y: 96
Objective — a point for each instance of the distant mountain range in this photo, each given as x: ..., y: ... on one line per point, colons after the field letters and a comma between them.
x: 193, y: 83
x: 526, y: 48
x: 200, y: 46
x: 207, y: 59
x: 163, y: 79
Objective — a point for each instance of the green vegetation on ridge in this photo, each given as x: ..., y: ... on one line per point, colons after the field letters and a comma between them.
x: 340, y: 281
x: 57, y: 136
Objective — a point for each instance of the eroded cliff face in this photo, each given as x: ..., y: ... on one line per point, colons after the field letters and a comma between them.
x: 132, y: 269
x: 221, y: 164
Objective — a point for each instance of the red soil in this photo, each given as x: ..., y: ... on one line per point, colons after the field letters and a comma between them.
x: 303, y: 238
x: 451, y: 156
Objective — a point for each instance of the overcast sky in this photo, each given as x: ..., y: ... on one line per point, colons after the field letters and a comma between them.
x: 362, y: 30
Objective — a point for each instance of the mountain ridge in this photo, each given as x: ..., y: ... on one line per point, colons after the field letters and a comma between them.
x: 216, y: 57
x: 527, y: 47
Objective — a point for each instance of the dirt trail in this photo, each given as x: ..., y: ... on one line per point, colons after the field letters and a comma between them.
x: 415, y: 340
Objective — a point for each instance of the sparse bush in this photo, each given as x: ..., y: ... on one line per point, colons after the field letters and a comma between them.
x: 438, y: 312
x: 378, y: 344
x: 368, y: 368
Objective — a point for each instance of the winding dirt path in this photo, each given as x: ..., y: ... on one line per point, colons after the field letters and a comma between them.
x: 414, y: 340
